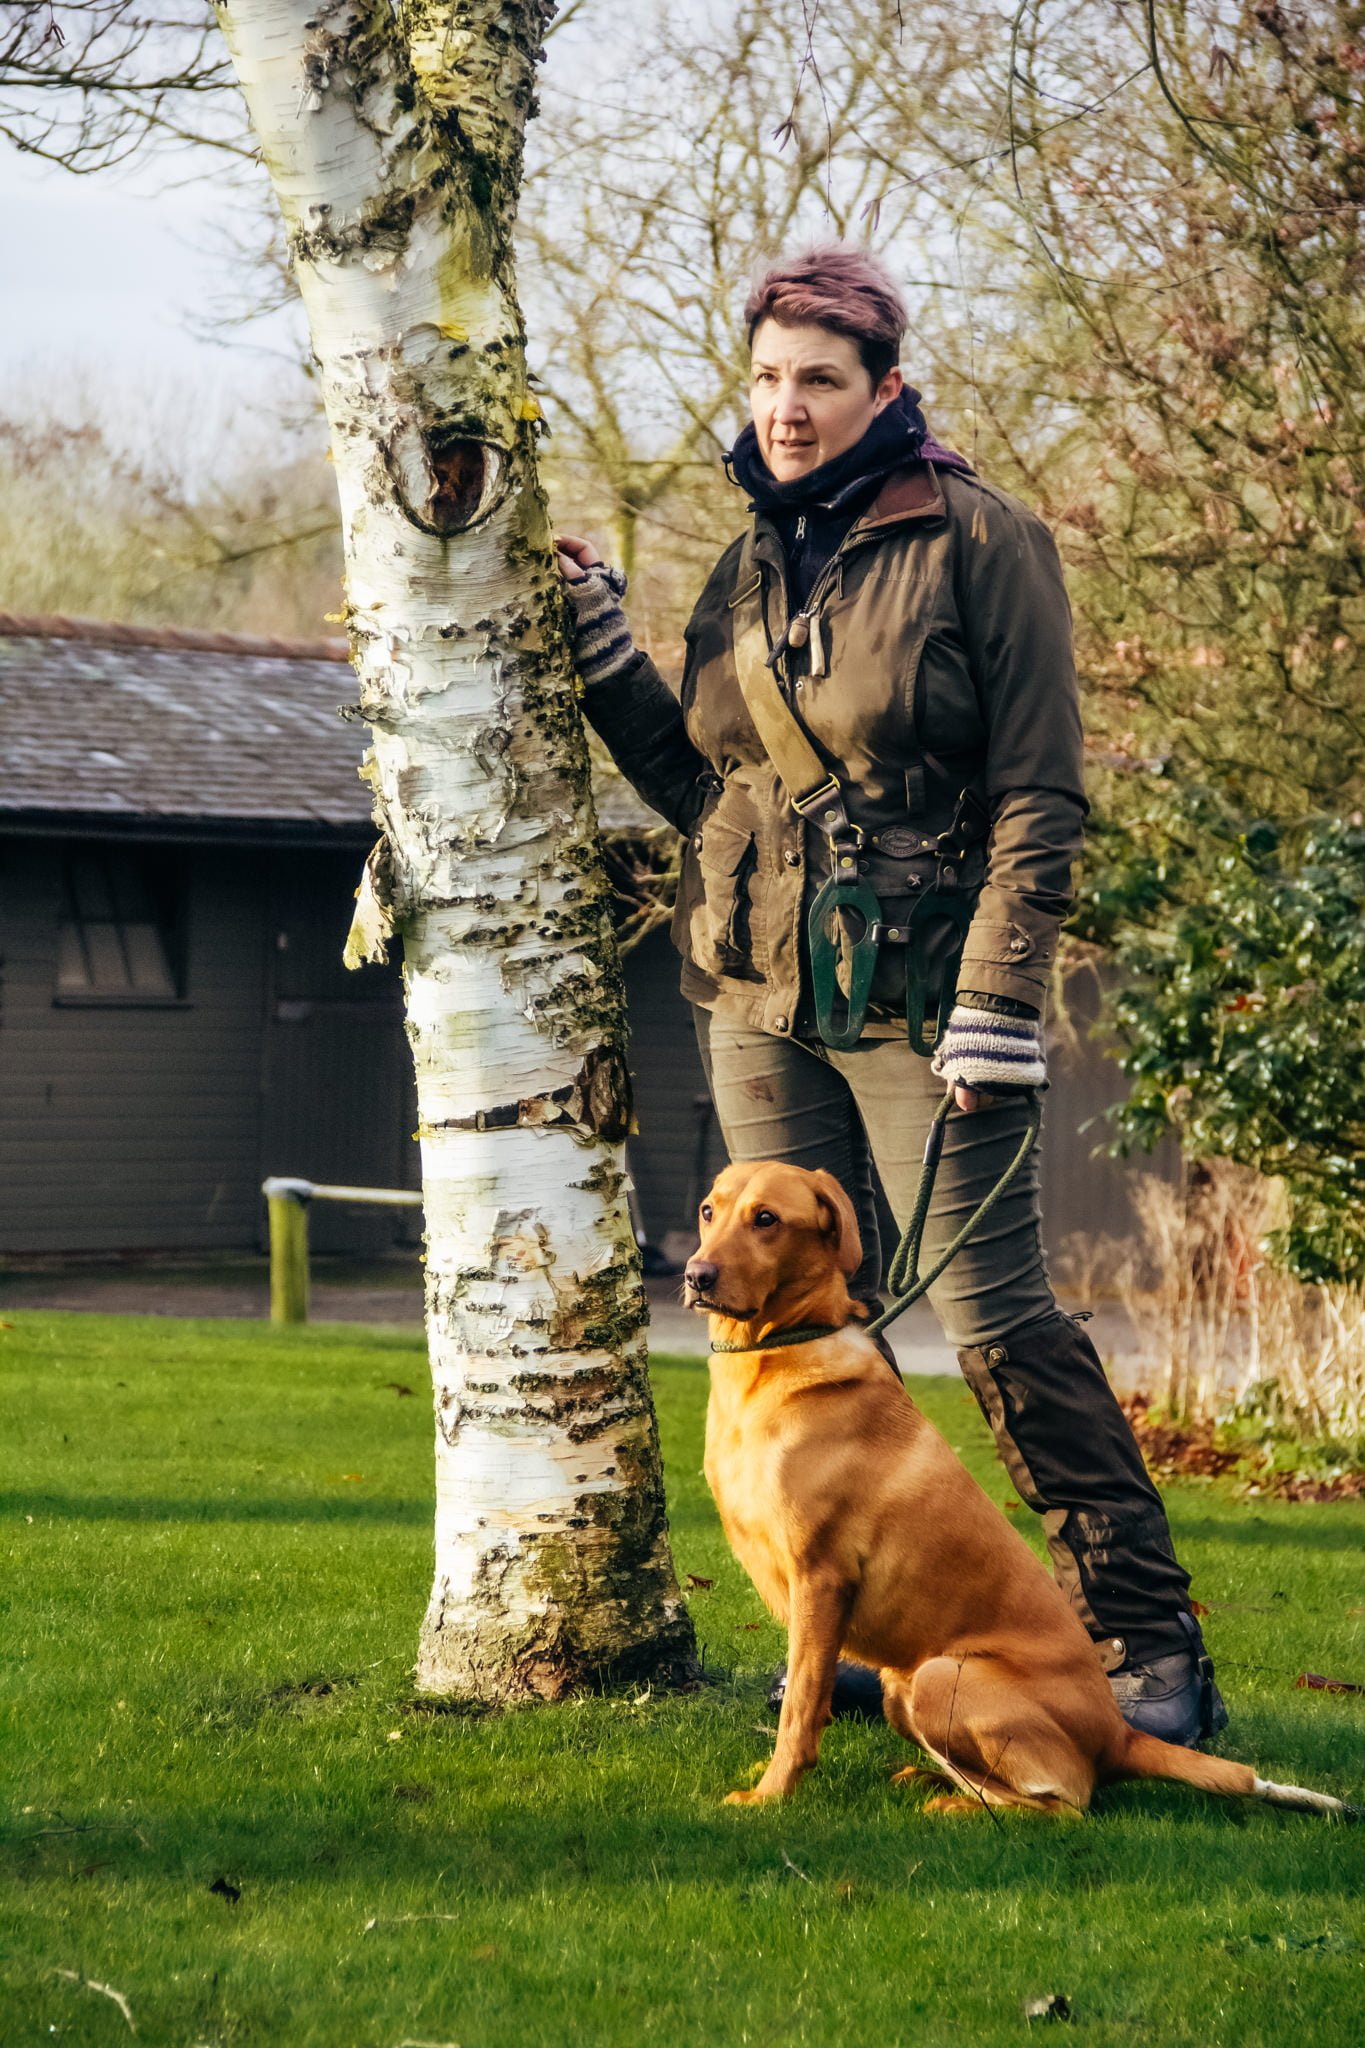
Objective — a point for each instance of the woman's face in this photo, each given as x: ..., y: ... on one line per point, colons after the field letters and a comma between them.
x: 810, y: 396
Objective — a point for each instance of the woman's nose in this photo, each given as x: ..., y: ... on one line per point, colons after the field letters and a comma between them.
x: 790, y: 407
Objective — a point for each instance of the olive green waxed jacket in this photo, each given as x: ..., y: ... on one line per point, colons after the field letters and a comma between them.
x: 944, y: 637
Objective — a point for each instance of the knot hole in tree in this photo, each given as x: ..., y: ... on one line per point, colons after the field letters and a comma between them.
x: 446, y: 481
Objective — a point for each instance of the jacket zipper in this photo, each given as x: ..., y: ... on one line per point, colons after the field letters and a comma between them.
x: 834, y: 566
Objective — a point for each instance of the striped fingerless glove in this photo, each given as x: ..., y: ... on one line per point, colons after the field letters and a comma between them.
x: 996, y: 1054
x: 602, y: 644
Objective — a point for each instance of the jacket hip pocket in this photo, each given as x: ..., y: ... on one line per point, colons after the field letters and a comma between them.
x: 719, y: 919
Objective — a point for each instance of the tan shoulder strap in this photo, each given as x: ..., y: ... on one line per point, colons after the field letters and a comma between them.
x: 787, y: 743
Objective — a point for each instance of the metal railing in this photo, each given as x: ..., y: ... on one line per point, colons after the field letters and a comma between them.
x: 287, y: 1203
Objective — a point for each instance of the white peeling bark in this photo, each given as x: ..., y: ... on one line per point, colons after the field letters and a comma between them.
x: 393, y: 133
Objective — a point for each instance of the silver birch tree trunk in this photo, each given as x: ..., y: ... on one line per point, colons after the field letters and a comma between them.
x: 393, y: 132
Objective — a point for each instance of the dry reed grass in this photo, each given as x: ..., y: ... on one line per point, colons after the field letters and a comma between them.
x: 1228, y: 1333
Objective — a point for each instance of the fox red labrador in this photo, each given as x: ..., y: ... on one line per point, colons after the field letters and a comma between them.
x: 864, y: 1534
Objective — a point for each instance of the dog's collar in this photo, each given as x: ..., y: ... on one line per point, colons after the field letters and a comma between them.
x: 808, y: 1333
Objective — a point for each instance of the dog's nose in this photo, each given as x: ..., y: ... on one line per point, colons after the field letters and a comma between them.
x: 701, y: 1276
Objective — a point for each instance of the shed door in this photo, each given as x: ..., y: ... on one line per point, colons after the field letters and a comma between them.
x: 339, y: 1102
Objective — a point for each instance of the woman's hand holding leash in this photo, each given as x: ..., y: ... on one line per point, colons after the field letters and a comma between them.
x: 984, y: 1055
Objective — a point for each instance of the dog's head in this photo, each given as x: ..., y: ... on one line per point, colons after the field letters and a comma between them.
x: 778, y: 1244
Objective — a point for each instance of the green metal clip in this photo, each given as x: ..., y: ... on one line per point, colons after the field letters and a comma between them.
x: 936, y: 906
x: 843, y: 892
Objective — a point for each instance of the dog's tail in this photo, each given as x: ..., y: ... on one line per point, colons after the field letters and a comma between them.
x: 1146, y: 1756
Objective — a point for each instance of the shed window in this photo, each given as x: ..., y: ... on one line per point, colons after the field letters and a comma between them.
x: 121, y: 934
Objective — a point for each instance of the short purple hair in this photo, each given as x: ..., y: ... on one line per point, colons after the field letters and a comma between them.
x: 842, y: 289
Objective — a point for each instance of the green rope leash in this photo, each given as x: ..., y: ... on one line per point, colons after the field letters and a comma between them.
x: 904, y: 1280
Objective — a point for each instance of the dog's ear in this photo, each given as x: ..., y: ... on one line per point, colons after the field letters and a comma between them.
x: 841, y: 1222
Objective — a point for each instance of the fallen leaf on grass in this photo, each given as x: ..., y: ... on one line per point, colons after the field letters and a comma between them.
x: 749, y: 1627
x: 418, y: 1794
x: 1056, y: 2006
x: 1313, y: 1681
x: 1199, y: 1610
x: 397, y: 1387
x: 702, y: 1585
x: 224, y: 1888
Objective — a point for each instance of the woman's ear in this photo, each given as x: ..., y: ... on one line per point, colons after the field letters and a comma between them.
x: 891, y: 387
x: 840, y: 1220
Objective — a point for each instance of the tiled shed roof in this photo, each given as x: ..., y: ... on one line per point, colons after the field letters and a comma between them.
x: 124, y: 724
x: 139, y: 727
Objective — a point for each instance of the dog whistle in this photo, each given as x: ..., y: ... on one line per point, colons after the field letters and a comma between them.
x: 798, y: 632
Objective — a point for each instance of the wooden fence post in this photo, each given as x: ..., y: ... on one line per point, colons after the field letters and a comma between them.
x: 287, y: 1202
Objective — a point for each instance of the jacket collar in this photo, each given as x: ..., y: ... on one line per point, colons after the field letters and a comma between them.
x: 910, y: 493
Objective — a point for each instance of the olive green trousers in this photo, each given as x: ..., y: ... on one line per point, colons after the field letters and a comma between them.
x: 863, y: 1115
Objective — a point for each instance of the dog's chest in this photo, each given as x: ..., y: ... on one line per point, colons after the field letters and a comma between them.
x: 742, y: 1473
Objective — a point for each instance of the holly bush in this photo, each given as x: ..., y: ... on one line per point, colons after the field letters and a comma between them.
x: 1242, y: 951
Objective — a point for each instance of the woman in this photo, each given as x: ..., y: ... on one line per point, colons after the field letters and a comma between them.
x: 917, y: 626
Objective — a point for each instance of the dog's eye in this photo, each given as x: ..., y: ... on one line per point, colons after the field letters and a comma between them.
x: 764, y: 1219
x: 706, y: 1212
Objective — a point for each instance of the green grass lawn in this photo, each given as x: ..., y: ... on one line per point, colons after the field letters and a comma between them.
x: 220, y: 1553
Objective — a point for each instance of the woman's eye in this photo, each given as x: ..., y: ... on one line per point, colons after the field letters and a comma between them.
x: 706, y: 1212
x: 764, y: 1219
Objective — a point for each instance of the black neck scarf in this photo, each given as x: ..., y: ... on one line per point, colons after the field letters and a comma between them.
x: 899, y: 434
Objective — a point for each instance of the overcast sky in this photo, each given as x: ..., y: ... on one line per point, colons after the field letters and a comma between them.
x: 104, y: 275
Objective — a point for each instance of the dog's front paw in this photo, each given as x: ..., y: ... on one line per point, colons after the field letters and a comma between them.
x: 748, y: 1798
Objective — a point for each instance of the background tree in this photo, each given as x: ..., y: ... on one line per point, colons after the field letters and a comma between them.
x: 87, y: 83
x: 393, y: 138
x: 1198, y: 284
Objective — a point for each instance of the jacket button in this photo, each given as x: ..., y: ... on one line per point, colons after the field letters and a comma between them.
x: 791, y: 857
x: 779, y: 1023
x: 1018, y: 945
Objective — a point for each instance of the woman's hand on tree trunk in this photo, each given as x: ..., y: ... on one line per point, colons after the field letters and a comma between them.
x: 574, y: 556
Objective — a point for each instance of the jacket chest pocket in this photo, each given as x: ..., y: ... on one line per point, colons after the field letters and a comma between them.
x: 719, y: 919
